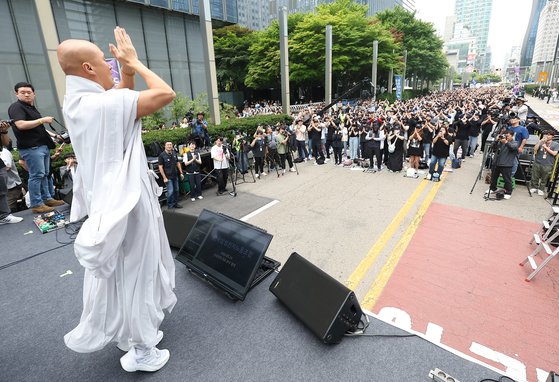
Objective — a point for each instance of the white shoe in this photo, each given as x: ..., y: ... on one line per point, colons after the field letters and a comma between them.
x: 490, y: 191
x: 533, y: 190
x: 126, y: 347
x: 283, y: 171
x: 256, y: 175
x: 200, y: 197
x: 264, y: 174
x: 292, y: 169
x: 193, y: 199
x: 507, y: 196
x: 144, y: 360
x: 541, y: 193
x: 10, y: 219
x: 428, y: 177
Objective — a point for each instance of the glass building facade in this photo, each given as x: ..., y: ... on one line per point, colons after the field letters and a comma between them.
x: 476, y: 16
x: 166, y: 34
x: 531, y: 33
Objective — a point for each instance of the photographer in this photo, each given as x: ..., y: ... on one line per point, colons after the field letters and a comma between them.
x: 200, y: 129
x: 544, y: 159
x: 521, y: 136
x: 258, y: 149
x: 33, y: 143
x: 505, y: 157
x: 330, y: 129
x: 282, y: 143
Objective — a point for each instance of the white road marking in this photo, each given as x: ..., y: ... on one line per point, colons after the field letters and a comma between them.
x: 256, y: 212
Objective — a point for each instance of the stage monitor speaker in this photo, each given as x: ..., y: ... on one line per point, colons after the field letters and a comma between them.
x: 178, y: 226
x: 327, y: 307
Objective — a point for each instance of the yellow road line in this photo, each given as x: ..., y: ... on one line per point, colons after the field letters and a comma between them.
x: 369, y: 260
x: 384, y: 275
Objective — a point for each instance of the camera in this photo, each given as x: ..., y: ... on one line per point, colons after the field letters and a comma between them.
x: 64, y: 138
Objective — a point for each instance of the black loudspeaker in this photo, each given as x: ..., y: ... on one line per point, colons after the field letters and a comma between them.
x: 178, y: 226
x: 327, y: 307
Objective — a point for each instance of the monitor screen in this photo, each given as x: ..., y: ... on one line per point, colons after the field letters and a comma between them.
x: 226, y: 250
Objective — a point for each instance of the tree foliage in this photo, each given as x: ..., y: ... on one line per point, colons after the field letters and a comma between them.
x: 231, y: 48
x: 425, y: 57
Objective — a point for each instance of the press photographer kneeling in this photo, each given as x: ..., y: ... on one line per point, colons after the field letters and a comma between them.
x: 506, y: 149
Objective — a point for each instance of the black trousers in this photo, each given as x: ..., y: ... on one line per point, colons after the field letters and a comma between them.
x: 375, y: 152
x: 259, y: 165
x: 327, y: 146
x: 222, y: 179
x: 316, y: 151
x: 194, y: 180
x: 506, y: 172
x: 338, y: 154
x: 283, y: 157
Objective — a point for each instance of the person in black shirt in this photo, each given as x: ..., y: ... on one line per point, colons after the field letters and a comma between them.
x: 462, y: 136
x: 34, y: 143
x: 258, y: 149
x: 169, y: 167
x: 474, y: 125
x: 5, y: 216
x: 441, y: 145
x: 192, y: 161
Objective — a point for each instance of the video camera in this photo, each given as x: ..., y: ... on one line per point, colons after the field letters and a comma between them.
x: 64, y: 138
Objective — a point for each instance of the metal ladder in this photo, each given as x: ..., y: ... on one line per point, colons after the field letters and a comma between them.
x: 543, y: 240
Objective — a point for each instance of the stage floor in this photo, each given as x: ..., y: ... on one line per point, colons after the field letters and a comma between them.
x: 210, y: 337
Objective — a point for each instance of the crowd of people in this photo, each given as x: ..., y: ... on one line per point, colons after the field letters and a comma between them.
x: 376, y: 135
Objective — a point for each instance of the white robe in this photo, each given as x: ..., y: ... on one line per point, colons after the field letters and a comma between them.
x: 129, y: 269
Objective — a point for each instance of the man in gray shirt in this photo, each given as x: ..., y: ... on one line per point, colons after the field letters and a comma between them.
x: 544, y: 159
x: 505, y: 157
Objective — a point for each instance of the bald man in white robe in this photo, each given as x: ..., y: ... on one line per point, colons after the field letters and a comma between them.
x: 129, y: 270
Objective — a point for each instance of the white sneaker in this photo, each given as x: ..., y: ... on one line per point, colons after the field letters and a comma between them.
x: 541, y: 193
x: 264, y: 174
x: 428, y: 177
x: 126, y: 347
x: 283, y: 171
x: 144, y: 360
x: 490, y: 191
x: 292, y: 169
x: 533, y: 190
x: 193, y: 199
x: 507, y: 196
x: 257, y: 176
x: 10, y: 219
x: 200, y: 197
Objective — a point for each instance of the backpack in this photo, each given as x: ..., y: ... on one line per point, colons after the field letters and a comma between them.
x: 456, y: 163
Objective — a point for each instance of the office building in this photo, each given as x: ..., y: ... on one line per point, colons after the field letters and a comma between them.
x: 476, y: 16
x: 166, y: 34
x: 254, y: 7
x: 548, y: 31
x: 531, y: 32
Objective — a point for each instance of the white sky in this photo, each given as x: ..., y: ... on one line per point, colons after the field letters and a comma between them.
x: 509, y: 20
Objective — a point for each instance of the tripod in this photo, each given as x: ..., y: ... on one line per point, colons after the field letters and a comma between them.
x: 243, y: 168
x: 271, y: 161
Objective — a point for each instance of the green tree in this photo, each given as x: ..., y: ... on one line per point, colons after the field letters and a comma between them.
x: 231, y: 47
x: 353, y: 36
x: 487, y: 77
x: 425, y: 59
x: 264, y: 55
x: 179, y: 107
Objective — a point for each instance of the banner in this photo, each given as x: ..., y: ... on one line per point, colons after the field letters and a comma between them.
x: 398, y: 82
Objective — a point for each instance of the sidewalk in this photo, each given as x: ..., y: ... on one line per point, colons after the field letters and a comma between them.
x: 547, y: 111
